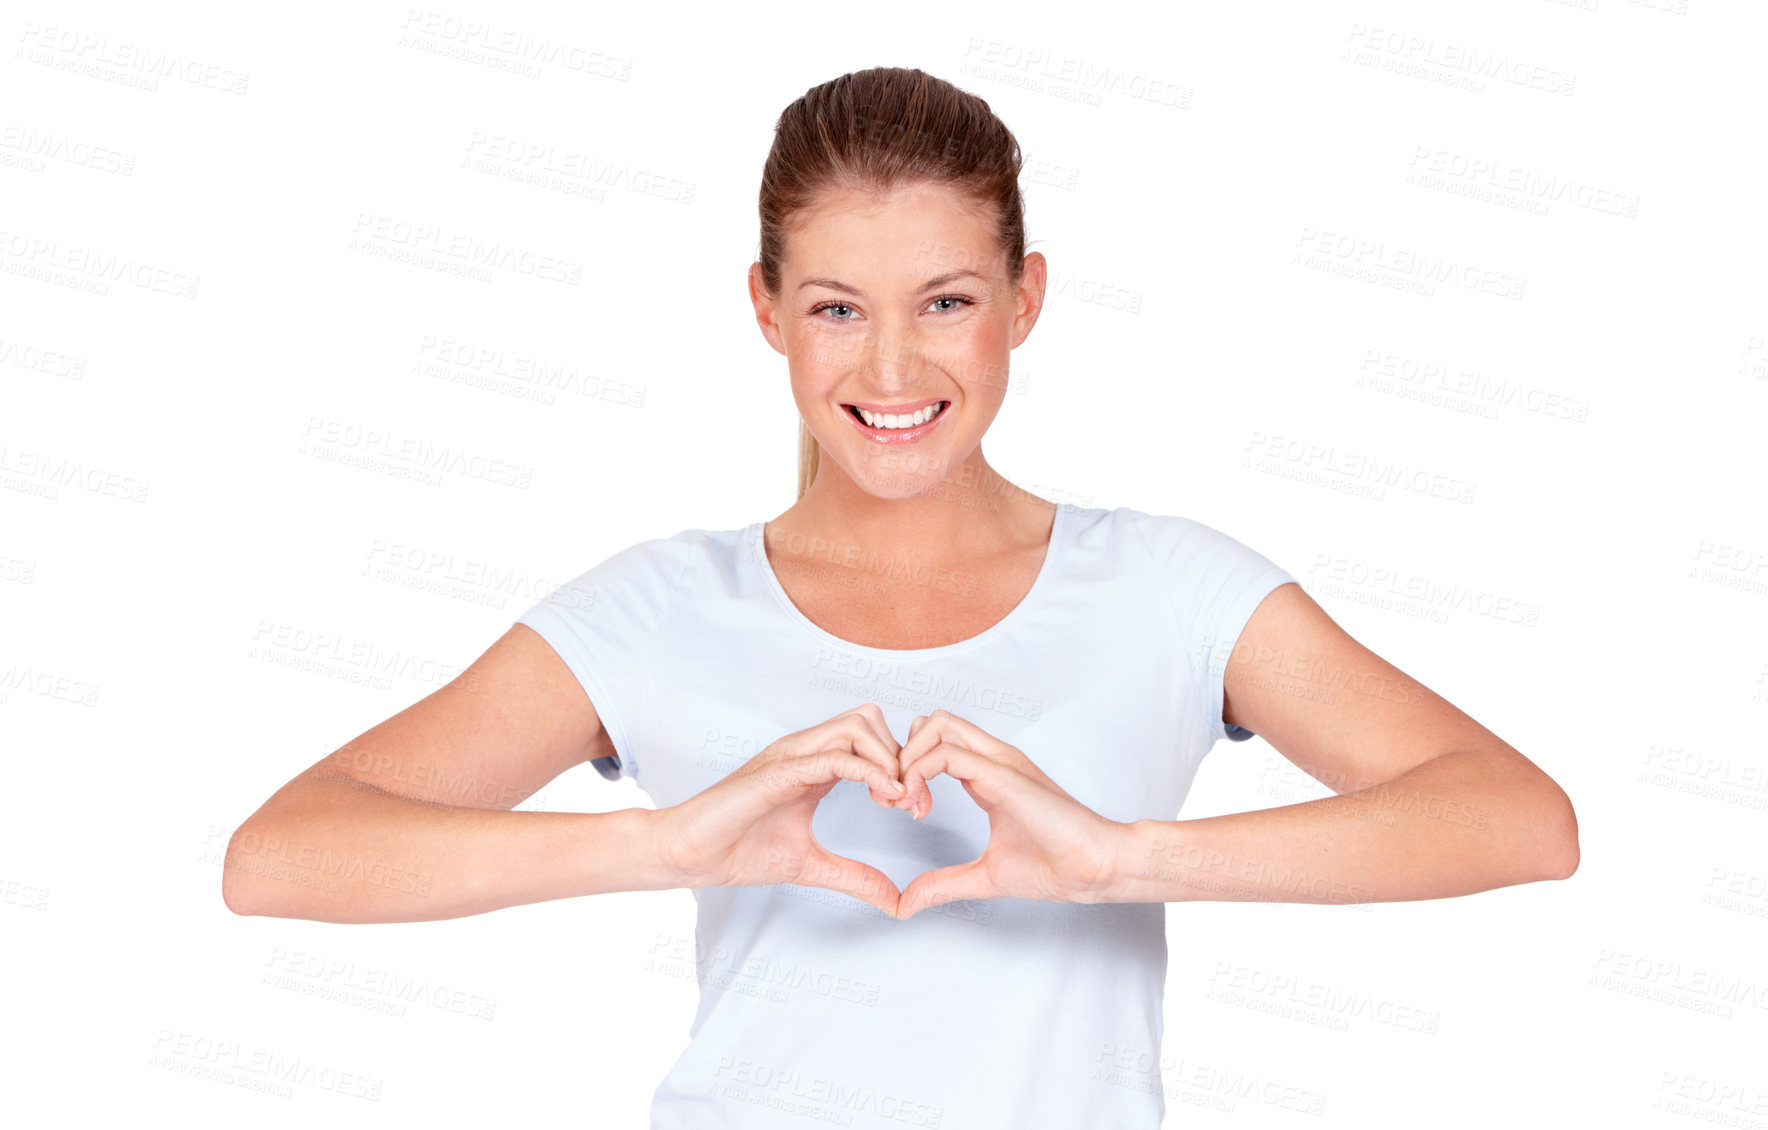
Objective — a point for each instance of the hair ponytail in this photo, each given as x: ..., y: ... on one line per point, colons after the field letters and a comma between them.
x: 809, y: 454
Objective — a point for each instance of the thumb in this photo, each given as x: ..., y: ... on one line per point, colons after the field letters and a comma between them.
x: 850, y: 877
x: 946, y: 884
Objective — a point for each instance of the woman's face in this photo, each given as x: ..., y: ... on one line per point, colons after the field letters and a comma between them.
x: 897, y: 306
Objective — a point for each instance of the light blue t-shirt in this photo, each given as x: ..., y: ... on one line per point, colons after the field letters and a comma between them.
x: 817, y: 1008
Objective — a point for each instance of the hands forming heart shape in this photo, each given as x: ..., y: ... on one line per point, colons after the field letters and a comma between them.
x: 753, y: 827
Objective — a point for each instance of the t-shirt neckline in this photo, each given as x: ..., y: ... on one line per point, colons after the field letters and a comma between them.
x: 999, y: 628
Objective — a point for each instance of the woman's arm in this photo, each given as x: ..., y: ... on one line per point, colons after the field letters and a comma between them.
x: 1431, y: 804
x: 411, y: 821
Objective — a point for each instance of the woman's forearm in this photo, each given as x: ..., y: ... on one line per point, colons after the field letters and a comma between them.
x: 1458, y: 823
x: 334, y: 849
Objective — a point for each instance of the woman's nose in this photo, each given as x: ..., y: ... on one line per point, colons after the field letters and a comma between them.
x: 893, y: 358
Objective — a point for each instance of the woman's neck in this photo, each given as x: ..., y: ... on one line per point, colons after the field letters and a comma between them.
x: 972, y: 512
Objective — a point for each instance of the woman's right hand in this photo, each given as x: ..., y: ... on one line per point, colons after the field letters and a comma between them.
x: 753, y: 827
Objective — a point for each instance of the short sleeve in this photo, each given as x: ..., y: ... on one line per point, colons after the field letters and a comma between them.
x: 1214, y: 583
x: 604, y: 624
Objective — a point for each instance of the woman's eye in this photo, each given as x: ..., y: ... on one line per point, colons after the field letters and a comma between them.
x: 844, y: 312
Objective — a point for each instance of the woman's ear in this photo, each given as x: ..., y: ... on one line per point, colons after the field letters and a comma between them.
x: 1029, y: 298
x: 764, y: 311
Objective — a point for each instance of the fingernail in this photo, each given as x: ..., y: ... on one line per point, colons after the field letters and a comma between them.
x: 896, y: 786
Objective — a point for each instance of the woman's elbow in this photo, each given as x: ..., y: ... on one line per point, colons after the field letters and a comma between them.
x: 1559, y: 841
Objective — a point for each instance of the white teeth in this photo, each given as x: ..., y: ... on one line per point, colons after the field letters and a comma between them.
x: 889, y: 421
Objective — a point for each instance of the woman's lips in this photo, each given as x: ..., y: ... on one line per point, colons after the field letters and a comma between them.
x: 897, y: 435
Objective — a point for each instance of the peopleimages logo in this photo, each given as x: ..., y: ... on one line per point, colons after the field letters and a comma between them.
x: 84, y: 268
x: 428, y: 242
x: 868, y: 676
x: 1423, y: 56
x: 323, y: 435
x: 97, y: 56
x: 1376, y: 261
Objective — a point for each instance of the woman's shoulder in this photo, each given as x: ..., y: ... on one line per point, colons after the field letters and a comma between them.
x: 1172, y: 539
x: 673, y: 555
x: 1130, y: 523
x: 640, y: 585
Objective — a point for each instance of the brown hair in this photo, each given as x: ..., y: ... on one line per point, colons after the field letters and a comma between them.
x: 876, y: 129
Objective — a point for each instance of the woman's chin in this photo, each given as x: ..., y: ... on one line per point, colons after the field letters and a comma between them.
x: 901, y: 473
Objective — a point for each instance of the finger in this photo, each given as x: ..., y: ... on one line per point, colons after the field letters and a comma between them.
x: 923, y: 732
x: 946, y: 884
x: 887, y: 752
x: 984, y: 778
x: 874, y: 716
x: 931, y: 730
x: 917, y: 797
x: 942, y: 725
x: 908, y: 800
x: 784, y: 780
x: 956, y: 732
x: 856, y: 733
x: 830, y: 764
x: 850, y: 877
x: 971, y: 735
x: 962, y: 728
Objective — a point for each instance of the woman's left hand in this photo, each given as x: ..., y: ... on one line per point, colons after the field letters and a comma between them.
x: 1042, y: 843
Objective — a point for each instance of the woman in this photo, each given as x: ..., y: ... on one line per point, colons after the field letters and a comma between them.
x: 956, y: 856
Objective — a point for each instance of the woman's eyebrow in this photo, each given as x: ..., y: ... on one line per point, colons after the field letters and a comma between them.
x: 930, y: 284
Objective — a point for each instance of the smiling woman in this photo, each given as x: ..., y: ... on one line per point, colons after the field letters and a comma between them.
x: 848, y: 144
x: 916, y: 743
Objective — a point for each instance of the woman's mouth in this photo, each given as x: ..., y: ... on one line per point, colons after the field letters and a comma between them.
x: 897, y: 427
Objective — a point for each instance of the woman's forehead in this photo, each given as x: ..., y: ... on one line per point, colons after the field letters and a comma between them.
x: 925, y: 234
x: 917, y: 196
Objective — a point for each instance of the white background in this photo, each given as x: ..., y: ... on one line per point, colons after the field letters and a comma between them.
x: 1576, y: 555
